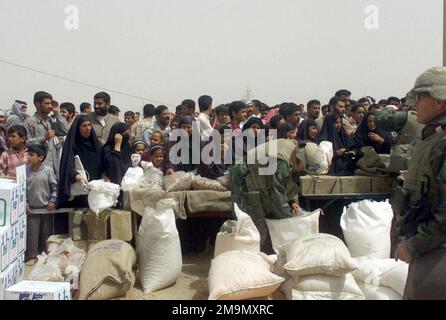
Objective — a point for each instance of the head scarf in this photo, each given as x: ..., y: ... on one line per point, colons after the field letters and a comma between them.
x: 17, y: 110
x: 282, y: 133
x: 328, y: 132
x: 302, y: 133
x: 185, y: 120
x: 251, y: 121
x: 126, y: 150
x: 88, y: 150
x: 362, y: 136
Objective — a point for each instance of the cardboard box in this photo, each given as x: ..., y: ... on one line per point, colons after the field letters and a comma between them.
x: 21, y: 180
x: 9, y: 202
x: 382, y: 184
x: 77, y: 226
x: 39, y: 290
x: 14, y: 243
x: 8, y: 278
x: 98, y: 226
x: 5, y: 233
x: 22, y: 233
x: 20, y: 266
x: 356, y: 184
x: 121, y: 225
x: 320, y: 185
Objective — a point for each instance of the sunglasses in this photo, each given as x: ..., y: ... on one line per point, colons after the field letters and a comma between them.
x: 421, y: 95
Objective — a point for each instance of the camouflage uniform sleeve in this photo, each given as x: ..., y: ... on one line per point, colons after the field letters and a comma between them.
x: 432, y: 234
x: 280, y: 193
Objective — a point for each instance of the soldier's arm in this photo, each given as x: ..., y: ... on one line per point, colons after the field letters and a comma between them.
x: 432, y: 234
x: 391, y: 121
x: 279, y: 192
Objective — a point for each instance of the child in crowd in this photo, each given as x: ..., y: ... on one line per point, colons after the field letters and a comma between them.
x: 158, y: 156
x: 41, y: 193
x: 140, y: 147
x: 17, y: 154
x: 157, y: 138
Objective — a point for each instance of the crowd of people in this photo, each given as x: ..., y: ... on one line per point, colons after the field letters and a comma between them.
x: 49, y: 141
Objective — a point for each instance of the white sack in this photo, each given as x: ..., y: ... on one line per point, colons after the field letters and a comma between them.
x: 285, y: 230
x: 158, y: 247
x: 132, y: 179
x: 372, y: 292
x: 396, y: 278
x: 317, y: 254
x: 366, y: 227
x: 103, y: 195
x: 244, y: 235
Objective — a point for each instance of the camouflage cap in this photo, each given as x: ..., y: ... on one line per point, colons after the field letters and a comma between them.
x: 432, y: 81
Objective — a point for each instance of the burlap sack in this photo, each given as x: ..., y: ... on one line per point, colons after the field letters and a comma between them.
x: 108, y: 271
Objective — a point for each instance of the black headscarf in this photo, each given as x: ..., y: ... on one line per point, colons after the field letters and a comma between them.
x: 328, y: 132
x: 362, y: 139
x: 341, y: 166
x: 258, y: 139
x: 251, y: 121
x: 282, y: 133
x: 302, y: 133
x: 88, y: 150
x: 125, y: 153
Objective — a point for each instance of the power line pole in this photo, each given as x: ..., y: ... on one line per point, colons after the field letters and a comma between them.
x: 248, y: 93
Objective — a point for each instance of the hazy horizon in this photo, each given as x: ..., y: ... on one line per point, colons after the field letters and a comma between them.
x: 164, y: 51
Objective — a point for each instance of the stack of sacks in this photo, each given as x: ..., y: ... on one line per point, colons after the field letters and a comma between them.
x: 318, y: 267
x: 285, y: 230
x: 366, y: 226
x: 239, y: 271
x: 381, y: 279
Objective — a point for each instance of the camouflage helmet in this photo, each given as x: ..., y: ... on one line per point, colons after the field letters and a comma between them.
x: 432, y: 81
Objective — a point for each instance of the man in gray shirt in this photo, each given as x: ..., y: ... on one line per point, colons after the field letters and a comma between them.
x: 42, y: 128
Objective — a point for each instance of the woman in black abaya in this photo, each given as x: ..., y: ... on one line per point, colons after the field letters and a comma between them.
x: 344, y: 154
x: 80, y: 141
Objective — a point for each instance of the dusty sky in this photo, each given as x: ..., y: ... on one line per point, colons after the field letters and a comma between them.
x: 164, y: 51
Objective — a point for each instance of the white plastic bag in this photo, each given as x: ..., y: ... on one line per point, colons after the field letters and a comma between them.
x: 152, y: 179
x: 44, y: 271
x: 366, y: 227
x: 67, y: 258
x: 286, y: 230
x: 103, y: 195
x: 314, y: 159
x: 244, y: 235
x: 158, y: 247
x: 327, y: 147
x: 132, y: 179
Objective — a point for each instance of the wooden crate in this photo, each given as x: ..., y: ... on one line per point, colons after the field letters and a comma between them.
x: 382, y: 184
x: 320, y: 185
x: 356, y: 184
